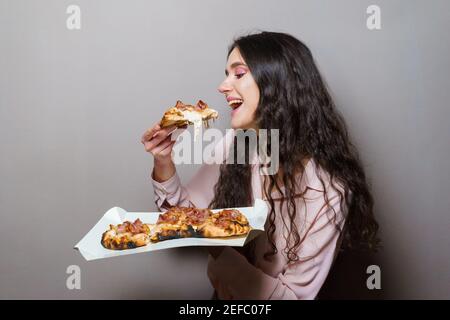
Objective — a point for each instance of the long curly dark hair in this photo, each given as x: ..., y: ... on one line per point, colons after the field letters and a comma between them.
x: 294, y: 99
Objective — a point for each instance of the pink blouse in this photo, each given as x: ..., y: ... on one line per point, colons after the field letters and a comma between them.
x: 230, y: 273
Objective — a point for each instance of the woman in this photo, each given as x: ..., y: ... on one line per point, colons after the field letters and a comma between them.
x: 319, y: 199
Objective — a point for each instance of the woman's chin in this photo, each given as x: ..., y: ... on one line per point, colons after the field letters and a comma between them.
x: 244, y: 125
x: 235, y: 124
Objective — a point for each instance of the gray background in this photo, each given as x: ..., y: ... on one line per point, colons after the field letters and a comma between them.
x: 73, y: 106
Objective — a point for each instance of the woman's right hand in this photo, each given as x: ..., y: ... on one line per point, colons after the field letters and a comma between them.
x: 157, y: 141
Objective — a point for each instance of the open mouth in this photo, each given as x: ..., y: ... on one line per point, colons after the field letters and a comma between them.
x: 236, y: 103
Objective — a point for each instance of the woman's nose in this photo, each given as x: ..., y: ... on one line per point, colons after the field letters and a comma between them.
x: 224, y: 87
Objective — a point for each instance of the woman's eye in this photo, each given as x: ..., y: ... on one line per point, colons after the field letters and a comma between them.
x: 239, y: 75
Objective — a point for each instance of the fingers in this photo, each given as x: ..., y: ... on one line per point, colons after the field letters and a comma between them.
x: 150, y: 132
x: 155, y: 130
x: 154, y: 142
x: 168, y: 150
x: 155, y: 135
x: 163, y: 148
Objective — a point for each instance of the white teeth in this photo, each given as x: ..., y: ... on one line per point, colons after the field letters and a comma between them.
x: 230, y: 103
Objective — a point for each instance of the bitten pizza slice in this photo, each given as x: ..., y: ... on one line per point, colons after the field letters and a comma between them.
x: 183, y: 114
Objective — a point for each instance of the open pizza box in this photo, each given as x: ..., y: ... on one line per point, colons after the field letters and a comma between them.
x: 91, y: 248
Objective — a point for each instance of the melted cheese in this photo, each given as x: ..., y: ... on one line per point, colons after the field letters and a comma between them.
x: 196, y: 119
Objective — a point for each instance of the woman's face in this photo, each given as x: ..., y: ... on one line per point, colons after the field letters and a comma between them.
x: 241, y: 92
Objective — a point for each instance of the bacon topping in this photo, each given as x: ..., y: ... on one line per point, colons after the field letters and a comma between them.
x: 133, y: 228
x: 201, y: 105
x: 170, y: 217
x: 226, y: 216
x: 196, y: 216
x: 180, y: 105
x: 223, y: 222
x: 230, y: 214
x: 198, y: 107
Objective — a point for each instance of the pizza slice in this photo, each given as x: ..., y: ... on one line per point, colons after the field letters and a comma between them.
x: 225, y: 223
x: 179, y: 222
x: 183, y: 114
x: 127, y: 235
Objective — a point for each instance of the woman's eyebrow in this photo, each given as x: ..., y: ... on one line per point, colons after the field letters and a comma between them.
x: 234, y: 65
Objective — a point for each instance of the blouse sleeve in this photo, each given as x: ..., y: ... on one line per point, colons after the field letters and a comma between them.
x: 199, y: 192
x: 238, y: 279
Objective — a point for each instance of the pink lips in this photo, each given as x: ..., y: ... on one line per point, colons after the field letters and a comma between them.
x: 232, y: 98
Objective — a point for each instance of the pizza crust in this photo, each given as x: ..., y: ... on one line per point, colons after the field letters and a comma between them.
x: 212, y: 231
x: 121, y: 241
